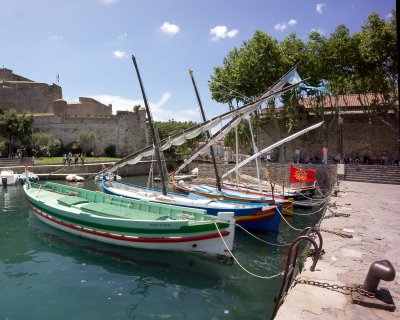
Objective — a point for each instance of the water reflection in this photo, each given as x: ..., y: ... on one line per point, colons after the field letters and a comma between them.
x: 39, y: 265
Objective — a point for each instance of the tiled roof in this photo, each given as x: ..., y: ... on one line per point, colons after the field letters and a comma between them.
x: 348, y: 100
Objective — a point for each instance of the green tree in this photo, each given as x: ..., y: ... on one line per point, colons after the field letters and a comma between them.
x: 43, y: 143
x: 248, y: 71
x: 87, y: 140
x: 15, y: 127
x: 136, y: 107
x: 168, y: 128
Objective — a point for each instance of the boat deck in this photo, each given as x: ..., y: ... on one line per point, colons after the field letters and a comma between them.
x: 100, y: 204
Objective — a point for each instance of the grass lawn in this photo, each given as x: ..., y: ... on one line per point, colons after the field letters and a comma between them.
x: 59, y: 160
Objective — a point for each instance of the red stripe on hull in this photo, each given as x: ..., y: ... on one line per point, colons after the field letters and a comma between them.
x: 127, y: 238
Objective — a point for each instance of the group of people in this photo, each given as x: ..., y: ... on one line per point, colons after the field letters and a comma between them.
x: 67, y: 158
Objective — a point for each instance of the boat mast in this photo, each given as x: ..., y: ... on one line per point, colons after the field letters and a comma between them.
x: 154, y: 134
x: 217, y: 177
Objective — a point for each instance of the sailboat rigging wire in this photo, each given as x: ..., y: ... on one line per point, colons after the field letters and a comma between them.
x: 243, y: 268
x: 275, y: 91
x: 273, y: 146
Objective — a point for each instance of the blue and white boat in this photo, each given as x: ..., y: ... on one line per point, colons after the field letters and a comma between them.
x: 261, y: 217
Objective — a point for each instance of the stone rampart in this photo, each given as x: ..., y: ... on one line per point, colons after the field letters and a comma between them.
x: 29, y: 97
x: 88, y: 107
x: 126, y: 130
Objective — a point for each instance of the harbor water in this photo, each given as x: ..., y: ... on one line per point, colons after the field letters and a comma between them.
x: 48, y: 274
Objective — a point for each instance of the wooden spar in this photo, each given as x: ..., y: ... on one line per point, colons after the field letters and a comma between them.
x: 217, y: 177
x: 156, y: 140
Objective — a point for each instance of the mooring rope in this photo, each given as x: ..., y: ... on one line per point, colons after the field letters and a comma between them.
x: 255, y: 237
x: 313, y: 212
x: 243, y: 268
x: 279, y: 211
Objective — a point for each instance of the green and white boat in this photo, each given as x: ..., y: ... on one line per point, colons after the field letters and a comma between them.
x: 130, y: 223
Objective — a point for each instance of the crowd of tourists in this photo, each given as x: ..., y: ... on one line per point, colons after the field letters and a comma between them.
x: 76, y: 157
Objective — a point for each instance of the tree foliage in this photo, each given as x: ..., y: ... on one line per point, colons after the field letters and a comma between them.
x: 87, y: 141
x: 166, y: 129
x: 45, y: 143
x: 15, y: 127
x: 358, y: 63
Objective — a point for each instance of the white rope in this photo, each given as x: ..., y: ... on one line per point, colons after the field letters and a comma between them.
x: 243, y: 268
x: 270, y: 243
x: 287, y: 221
x: 314, y: 212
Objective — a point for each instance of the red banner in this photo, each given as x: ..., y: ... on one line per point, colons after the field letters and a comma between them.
x: 301, y: 175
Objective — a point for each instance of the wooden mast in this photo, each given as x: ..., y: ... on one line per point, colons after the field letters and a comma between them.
x: 217, y: 177
x: 154, y: 134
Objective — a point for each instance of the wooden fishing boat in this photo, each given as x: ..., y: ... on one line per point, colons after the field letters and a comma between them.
x: 233, y: 194
x: 260, y: 217
x: 31, y: 177
x: 131, y: 223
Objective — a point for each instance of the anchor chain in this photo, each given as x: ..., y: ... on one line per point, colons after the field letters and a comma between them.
x: 341, y: 234
x: 334, y: 287
x: 311, y: 253
x: 336, y: 214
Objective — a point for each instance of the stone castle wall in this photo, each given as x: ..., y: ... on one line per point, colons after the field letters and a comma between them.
x: 360, y: 137
x: 66, y: 120
x: 29, y: 97
x: 126, y: 130
x: 88, y: 107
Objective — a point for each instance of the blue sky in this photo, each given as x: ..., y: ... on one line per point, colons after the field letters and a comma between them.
x: 89, y: 43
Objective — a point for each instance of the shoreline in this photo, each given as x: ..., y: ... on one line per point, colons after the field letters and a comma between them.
x: 374, y: 222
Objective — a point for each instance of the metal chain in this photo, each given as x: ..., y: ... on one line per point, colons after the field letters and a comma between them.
x: 334, y: 287
x: 336, y: 214
x: 341, y: 234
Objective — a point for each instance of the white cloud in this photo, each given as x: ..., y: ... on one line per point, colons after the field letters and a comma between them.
x: 319, y: 30
x: 280, y: 27
x: 122, y: 37
x: 108, y: 2
x: 158, y: 110
x: 221, y: 32
x: 169, y: 28
x: 284, y: 25
x: 56, y: 37
x: 119, y: 54
x: 319, y: 6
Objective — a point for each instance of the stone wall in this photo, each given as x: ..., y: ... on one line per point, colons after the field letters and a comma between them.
x: 88, y: 107
x: 29, y: 97
x: 360, y: 137
x: 326, y: 175
x: 126, y: 130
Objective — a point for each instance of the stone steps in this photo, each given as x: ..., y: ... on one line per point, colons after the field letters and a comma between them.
x: 5, y: 162
x: 373, y: 174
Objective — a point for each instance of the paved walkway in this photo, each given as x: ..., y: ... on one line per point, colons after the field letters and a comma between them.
x: 375, y: 219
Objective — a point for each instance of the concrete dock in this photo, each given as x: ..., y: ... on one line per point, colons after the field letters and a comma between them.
x: 374, y: 223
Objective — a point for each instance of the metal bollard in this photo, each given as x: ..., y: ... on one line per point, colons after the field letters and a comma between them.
x: 379, y: 270
x: 381, y: 298
x: 4, y: 182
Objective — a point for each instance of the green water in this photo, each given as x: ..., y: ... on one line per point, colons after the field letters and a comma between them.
x: 48, y: 274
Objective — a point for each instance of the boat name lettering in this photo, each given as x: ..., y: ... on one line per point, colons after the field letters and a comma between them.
x: 160, y: 225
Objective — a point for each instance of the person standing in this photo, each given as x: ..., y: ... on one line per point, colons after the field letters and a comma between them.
x: 325, y: 155
x: 297, y: 153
